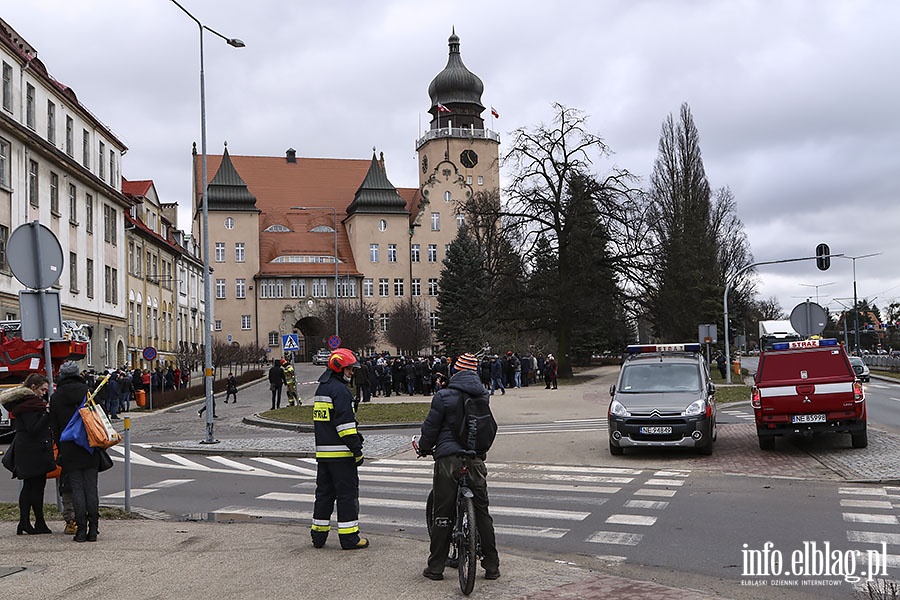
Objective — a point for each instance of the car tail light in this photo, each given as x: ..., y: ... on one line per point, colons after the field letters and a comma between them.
x: 858, y: 395
x: 755, y: 399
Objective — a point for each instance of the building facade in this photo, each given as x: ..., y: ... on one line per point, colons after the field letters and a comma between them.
x: 288, y: 234
x: 60, y: 166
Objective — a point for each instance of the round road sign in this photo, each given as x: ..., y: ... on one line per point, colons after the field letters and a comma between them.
x: 334, y: 342
x: 150, y: 353
x: 34, y: 255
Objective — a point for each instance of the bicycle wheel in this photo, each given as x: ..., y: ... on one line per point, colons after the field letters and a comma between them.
x: 429, y: 512
x: 465, y: 541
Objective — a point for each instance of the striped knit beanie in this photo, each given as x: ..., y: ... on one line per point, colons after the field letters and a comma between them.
x: 467, y: 362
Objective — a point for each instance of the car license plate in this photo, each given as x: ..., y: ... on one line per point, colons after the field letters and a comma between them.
x: 656, y: 430
x: 814, y: 418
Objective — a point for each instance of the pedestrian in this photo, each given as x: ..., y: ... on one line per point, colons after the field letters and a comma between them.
x: 721, y: 363
x: 32, y: 449
x: 338, y: 454
x: 231, y: 388
x: 276, y: 381
x: 362, y: 379
x: 550, y: 372
x: 79, y: 465
x: 439, y: 439
x: 290, y: 380
x: 497, y: 376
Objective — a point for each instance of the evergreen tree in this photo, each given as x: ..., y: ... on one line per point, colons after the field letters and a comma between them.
x: 463, y: 296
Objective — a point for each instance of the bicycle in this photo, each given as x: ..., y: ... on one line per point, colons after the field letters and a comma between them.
x: 465, y: 543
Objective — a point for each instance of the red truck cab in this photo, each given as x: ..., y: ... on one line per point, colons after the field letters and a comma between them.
x: 808, y: 387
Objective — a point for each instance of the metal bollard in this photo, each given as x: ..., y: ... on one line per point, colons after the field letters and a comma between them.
x: 127, y: 442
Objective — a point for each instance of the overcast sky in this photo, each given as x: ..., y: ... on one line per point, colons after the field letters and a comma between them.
x: 797, y: 102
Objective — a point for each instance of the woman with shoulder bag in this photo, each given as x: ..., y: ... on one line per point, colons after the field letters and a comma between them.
x: 32, y: 449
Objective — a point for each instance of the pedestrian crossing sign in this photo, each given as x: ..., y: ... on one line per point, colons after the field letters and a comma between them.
x: 290, y: 342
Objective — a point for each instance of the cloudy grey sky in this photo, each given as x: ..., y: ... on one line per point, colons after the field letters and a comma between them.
x: 796, y: 101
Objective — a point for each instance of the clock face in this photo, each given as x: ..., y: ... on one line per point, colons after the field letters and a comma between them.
x: 424, y: 164
x: 468, y: 158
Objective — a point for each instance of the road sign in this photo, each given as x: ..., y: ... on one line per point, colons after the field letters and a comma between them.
x: 290, y: 342
x: 149, y: 353
x: 808, y: 319
x: 334, y: 342
x: 41, y: 315
x: 34, y: 256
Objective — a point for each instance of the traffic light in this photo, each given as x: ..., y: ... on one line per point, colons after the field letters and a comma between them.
x: 823, y: 257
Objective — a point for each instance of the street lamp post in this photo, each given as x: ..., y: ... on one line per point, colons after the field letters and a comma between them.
x: 335, y: 230
x: 855, y: 301
x: 207, y: 283
x: 812, y: 285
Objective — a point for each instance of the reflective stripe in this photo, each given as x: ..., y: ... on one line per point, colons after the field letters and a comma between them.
x: 350, y: 528
x: 321, y: 522
x: 347, y: 524
x: 818, y: 388
x: 346, y: 454
x: 323, y: 400
x: 321, y: 528
x: 346, y: 429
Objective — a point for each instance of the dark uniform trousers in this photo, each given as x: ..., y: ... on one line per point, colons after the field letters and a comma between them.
x: 446, y: 473
x: 337, y: 479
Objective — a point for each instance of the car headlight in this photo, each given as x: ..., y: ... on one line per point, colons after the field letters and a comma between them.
x: 695, y: 408
x: 618, y: 409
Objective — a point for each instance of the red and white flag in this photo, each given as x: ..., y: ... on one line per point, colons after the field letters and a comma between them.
x: 442, y: 108
x: 494, y: 112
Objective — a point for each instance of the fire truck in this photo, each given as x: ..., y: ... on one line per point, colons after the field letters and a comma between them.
x: 19, y: 358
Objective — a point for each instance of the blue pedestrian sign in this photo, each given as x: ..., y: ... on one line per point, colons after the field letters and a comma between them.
x: 290, y: 342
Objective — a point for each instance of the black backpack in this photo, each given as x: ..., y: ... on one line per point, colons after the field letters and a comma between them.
x: 476, y: 427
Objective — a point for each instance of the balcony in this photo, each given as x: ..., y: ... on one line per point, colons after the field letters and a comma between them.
x: 466, y: 133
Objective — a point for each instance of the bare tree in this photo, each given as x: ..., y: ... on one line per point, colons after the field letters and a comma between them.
x: 409, y: 329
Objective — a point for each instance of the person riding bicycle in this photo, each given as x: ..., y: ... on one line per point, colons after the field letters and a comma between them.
x: 338, y: 454
x: 438, y: 438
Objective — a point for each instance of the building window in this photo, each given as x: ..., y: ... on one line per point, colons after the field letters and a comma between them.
x: 110, y: 227
x: 368, y: 287
x: 398, y: 287
x: 101, y: 170
x: 392, y: 253
x: 54, y: 193
x: 414, y: 253
x: 89, y: 276
x: 7, y: 87
x: 51, y: 122
x: 73, y: 272
x: 229, y: 223
x: 4, y: 238
x: 70, y: 136
x: 33, y: 183
x: 320, y: 288
x: 382, y: 225
x: 373, y: 253
x: 347, y: 287
x: 383, y: 318
x: 432, y: 253
x: 274, y: 338
x: 460, y: 220
x: 240, y: 288
x: 245, y: 322
x: 370, y: 321
x: 111, y: 285
x: 433, y: 320
x: 298, y: 288
x: 432, y: 286
x: 480, y: 180
x: 29, y: 105
x: 468, y: 180
x: 416, y: 289
x: 89, y: 213
x: 217, y: 324
x: 447, y: 197
x: 86, y: 148
x: 279, y: 289
x: 73, y: 204
x: 383, y: 288
x: 435, y: 221
x: 220, y: 289
x: 5, y: 172
x: 112, y: 168
x: 220, y: 252
x: 239, y: 252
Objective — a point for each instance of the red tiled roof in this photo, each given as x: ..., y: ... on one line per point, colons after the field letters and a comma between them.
x: 138, y: 189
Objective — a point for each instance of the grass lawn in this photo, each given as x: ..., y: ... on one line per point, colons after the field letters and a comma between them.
x: 9, y: 511
x: 371, y: 412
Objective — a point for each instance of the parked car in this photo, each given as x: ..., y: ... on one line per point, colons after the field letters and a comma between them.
x: 860, y: 368
x: 321, y: 357
x: 664, y: 397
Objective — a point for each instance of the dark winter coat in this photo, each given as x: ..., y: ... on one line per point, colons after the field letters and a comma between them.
x: 438, y: 437
x: 32, y: 445
x: 66, y: 399
x: 276, y: 376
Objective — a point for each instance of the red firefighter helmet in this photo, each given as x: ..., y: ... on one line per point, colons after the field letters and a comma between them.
x: 342, y: 358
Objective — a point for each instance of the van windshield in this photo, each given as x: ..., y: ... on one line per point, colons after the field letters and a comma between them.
x: 660, y: 377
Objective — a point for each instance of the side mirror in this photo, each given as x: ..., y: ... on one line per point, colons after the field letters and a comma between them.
x: 711, y: 388
x: 612, y: 390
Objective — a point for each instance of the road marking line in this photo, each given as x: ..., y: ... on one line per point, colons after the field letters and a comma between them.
x: 861, y: 491
x: 238, y: 466
x: 181, y: 460
x: 873, y: 537
x: 869, y: 518
x: 538, y: 431
x: 672, y: 474
x: 672, y: 482
x: 867, y: 504
x: 615, y: 537
x: 134, y: 493
x: 630, y: 520
x: 284, y: 465
x: 648, y: 504
x: 494, y: 467
x: 655, y: 492
x: 167, y: 483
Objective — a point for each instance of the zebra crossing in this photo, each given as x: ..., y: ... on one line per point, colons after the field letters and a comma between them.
x: 600, y: 506
x: 871, y: 513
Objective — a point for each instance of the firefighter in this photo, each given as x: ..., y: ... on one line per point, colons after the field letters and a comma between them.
x: 338, y: 453
x: 291, y: 382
